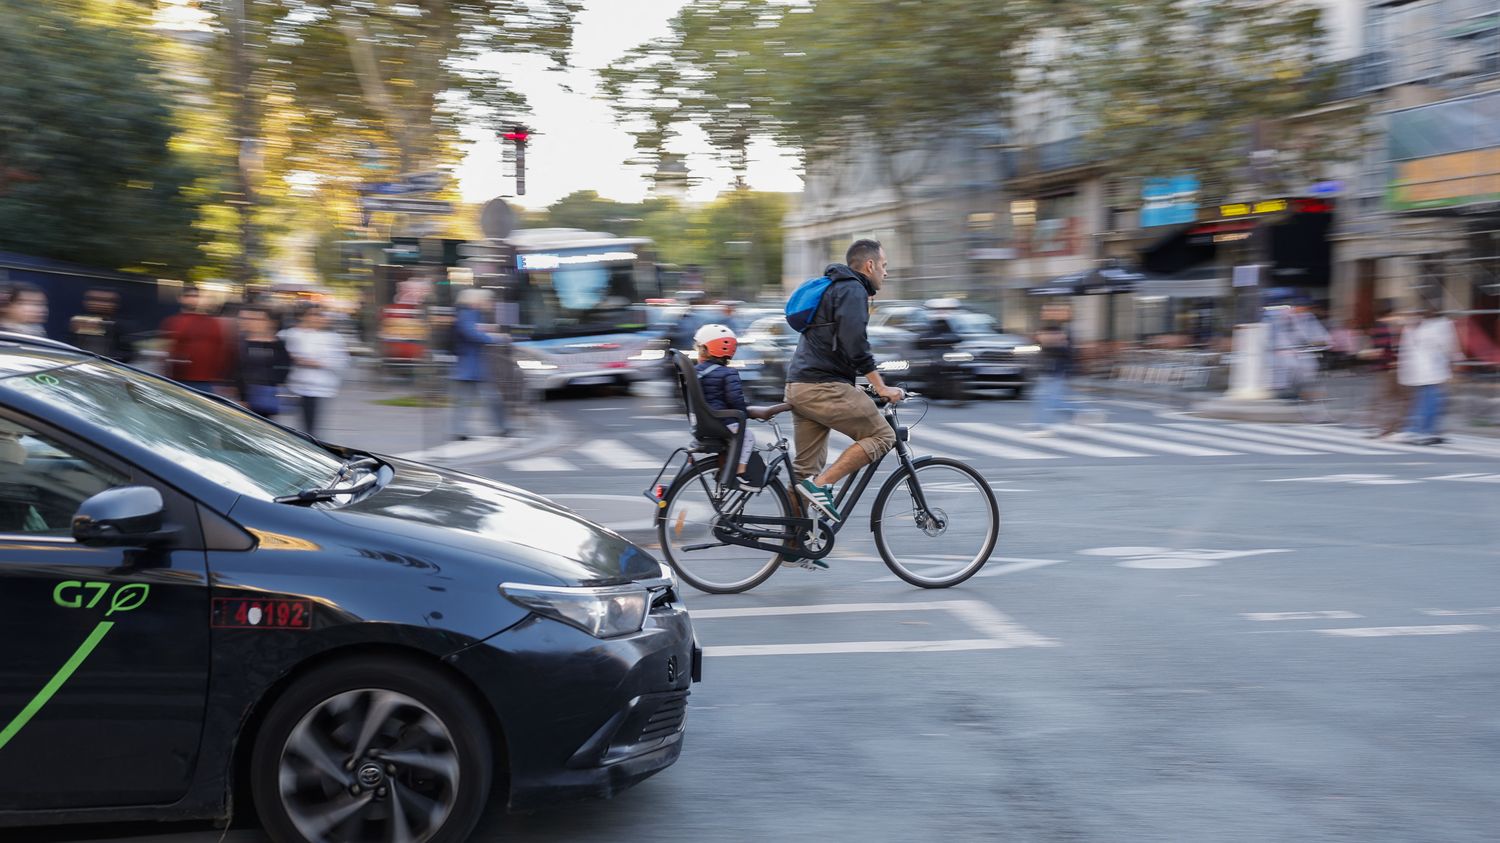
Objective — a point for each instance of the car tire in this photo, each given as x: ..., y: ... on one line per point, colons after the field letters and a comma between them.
x: 1019, y: 393
x: 427, y: 762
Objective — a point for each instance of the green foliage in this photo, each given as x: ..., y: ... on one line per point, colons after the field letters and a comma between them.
x: 1177, y: 86
x: 87, y: 171
x: 736, y: 238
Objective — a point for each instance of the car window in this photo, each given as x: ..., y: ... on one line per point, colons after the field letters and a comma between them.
x: 971, y: 323
x: 236, y: 449
x: 42, y: 482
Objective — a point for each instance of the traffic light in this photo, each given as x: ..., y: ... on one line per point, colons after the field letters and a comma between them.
x: 519, y: 135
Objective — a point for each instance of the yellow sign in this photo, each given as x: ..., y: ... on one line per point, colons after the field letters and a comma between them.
x: 1446, y: 180
x: 1245, y: 209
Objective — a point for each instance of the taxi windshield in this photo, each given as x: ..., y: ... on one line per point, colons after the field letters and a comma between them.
x: 233, y: 448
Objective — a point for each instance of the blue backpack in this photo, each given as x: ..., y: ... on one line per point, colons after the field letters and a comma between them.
x: 802, y: 305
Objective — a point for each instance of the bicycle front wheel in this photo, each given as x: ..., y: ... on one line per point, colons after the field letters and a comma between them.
x: 945, y: 541
x: 695, y: 506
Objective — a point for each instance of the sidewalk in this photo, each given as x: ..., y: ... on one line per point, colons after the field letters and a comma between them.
x: 362, y: 416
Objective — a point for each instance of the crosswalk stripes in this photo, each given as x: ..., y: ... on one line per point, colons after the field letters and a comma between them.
x: 616, y: 454
x: 1154, y: 443
x: 1336, y: 435
x: 643, y: 450
x: 1056, y: 443
x: 982, y: 446
x: 1235, y: 432
x: 1243, y: 446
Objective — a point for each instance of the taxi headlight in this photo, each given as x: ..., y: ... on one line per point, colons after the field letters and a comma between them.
x: 604, y: 612
x: 957, y: 357
x: 534, y: 365
x: 646, y: 354
x: 1028, y: 349
x: 893, y: 366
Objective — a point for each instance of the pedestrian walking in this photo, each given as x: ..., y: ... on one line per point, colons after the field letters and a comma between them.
x: 1429, y: 349
x: 263, y: 363
x: 319, y: 357
x: 1053, y: 400
x: 1388, y: 399
x: 473, y: 378
x: 98, y: 328
x: 198, y: 353
x: 23, y: 309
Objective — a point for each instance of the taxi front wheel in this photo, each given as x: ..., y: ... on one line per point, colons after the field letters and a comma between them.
x: 372, y: 749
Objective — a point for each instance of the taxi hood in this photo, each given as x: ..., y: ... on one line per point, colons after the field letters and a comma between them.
x: 485, y: 519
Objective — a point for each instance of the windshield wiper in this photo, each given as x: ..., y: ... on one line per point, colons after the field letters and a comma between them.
x: 310, y: 496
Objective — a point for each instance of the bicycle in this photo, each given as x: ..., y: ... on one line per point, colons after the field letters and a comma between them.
x: 1329, y: 396
x: 935, y: 519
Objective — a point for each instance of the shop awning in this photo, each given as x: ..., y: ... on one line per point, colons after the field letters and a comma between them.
x: 1201, y: 283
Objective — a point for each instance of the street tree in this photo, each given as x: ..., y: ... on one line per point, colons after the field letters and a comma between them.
x: 87, y: 168
x: 823, y: 78
x: 1220, y: 90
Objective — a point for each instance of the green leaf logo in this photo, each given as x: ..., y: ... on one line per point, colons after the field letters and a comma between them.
x: 128, y: 597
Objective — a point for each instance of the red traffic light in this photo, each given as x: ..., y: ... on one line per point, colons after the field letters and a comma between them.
x: 518, y: 135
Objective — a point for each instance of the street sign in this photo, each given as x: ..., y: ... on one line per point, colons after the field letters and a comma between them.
x: 497, y: 220
x: 406, y: 206
x: 410, y: 183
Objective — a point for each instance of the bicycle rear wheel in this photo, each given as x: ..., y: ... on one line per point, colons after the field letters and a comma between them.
x: 947, y: 541
x: 685, y: 528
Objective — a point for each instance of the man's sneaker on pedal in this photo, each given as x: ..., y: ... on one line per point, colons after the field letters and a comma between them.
x: 820, y: 497
x: 809, y: 564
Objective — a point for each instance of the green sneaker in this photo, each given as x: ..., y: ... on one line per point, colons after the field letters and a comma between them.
x: 820, y: 497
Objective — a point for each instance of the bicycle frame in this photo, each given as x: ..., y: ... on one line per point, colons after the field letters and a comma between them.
x: 740, y: 530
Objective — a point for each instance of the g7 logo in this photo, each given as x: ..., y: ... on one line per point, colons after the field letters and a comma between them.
x: 70, y: 594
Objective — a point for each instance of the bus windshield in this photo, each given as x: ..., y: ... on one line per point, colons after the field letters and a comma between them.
x: 579, y: 300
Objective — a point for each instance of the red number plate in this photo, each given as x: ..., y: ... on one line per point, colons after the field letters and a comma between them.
x: 255, y: 613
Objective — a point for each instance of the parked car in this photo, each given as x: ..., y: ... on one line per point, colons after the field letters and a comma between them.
x: 197, y: 603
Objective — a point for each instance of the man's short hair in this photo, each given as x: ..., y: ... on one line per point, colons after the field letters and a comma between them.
x: 861, y: 251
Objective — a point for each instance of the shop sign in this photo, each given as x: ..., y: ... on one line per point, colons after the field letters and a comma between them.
x: 1446, y: 181
x: 1169, y: 201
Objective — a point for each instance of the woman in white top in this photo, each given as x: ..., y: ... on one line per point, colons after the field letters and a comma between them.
x: 1428, y: 351
x: 318, y: 357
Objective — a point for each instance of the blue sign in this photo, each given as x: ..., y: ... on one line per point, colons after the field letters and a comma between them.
x: 1169, y: 201
x: 1326, y: 188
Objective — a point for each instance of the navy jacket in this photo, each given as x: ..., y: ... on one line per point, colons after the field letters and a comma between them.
x: 837, y: 352
x: 721, y: 386
x: 469, y: 347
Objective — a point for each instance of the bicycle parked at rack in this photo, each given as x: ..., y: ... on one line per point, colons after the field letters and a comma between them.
x: 935, y: 520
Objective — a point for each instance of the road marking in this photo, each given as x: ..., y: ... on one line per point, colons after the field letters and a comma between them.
x: 1479, y: 445
x: 1016, y: 566
x: 1162, y: 559
x: 1449, y: 613
x: 1153, y: 443
x: 982, y: 446
x: 1326, y: 434
x: 1054, y: 442
x: 1003, y: 632
x: 1348, y: 479
x: 1209, y: 439
x: 1337, y: 614
x: 542, y: 464
x: 617, y: 454
x: 1388, y: 631
x: 1236, y: 432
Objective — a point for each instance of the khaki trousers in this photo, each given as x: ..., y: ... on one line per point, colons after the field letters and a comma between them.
x: 820, y: 407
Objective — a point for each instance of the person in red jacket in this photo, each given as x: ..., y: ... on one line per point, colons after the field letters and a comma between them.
x: 198, y: 353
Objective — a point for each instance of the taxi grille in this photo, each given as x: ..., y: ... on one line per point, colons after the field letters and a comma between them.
x: 995, y: 356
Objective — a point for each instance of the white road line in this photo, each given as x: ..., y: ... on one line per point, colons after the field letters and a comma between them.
x: 983, y: 617
x: 542, y: 464
x: 1151, y: 443
x: 1387, y: 631
x: 617, y: 454
x: 1014, y: 567
x: 1476, y: 444
x: 830, y: 648
x: 669, y: 438
x: 1326, y: 434
x: 817, y: 609
x: 1449, y: 613
x: 1209, y: 439
x: 1236, y: 432
x: 1337, y: 614
x: 1053, y: 442
x: 983, y: 446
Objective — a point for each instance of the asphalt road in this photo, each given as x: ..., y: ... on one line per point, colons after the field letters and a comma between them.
x: 1295, y: 637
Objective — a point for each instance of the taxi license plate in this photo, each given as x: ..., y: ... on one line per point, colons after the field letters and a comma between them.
x: 999, y: 370
x: 596, y: 380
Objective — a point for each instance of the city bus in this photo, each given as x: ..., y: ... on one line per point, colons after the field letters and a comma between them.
x: 573, y: 303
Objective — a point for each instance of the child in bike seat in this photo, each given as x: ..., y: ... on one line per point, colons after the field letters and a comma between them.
x: 722, y: 390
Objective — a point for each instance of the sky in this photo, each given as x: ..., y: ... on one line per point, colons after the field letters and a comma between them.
x: 578, y: 145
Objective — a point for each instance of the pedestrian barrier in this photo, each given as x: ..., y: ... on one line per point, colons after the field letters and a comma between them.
x: 1191, y: 370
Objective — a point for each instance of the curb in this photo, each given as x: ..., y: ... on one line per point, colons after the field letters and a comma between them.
x: 487, y: 452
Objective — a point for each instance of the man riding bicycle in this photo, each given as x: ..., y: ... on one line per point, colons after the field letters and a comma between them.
x: 833, y: 351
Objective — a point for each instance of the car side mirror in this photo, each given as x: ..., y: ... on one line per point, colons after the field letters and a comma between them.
x: 125, y: 516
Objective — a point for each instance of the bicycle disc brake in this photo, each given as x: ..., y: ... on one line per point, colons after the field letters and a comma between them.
x: 933, y: 522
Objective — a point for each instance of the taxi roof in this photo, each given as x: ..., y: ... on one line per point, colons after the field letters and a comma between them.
x: 22, y: 356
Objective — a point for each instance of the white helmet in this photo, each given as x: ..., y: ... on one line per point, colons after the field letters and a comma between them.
x: 719, y: 340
